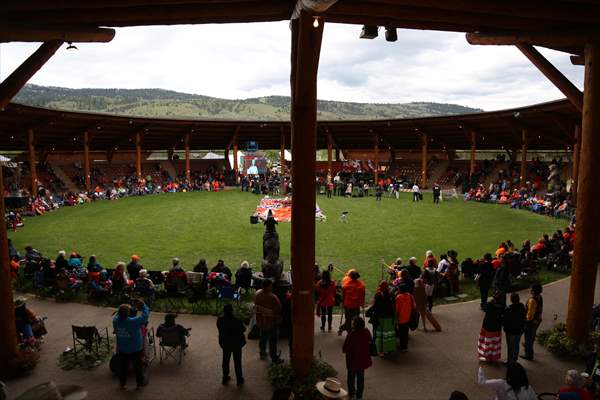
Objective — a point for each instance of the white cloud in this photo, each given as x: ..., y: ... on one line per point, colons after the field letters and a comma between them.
x: 249, y: 60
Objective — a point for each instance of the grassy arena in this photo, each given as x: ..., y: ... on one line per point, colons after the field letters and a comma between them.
x: 216, y: 225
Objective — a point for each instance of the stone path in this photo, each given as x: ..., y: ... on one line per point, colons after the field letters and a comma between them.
x: 436, y: 364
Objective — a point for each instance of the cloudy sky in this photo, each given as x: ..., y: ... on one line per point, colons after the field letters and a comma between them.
x: 250, y: 60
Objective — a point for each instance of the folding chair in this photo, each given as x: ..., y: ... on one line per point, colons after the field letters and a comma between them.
x: 226, y: 293
x: 89, y: 339
x: 171, y: 345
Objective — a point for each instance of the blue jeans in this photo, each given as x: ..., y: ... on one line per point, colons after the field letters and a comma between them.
x: 271, y: 336
x: 512, y: 347
x: 530, y: 331
x: 358, y: 378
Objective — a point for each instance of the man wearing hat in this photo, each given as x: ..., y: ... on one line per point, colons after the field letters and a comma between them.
x: 134, y: 267
x: 331, y: 388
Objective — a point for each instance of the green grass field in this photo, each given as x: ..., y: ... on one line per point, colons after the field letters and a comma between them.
x: 216, y: 225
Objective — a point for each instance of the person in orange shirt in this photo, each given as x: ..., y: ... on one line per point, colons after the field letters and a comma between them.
x: 353, y: 298
x: 405, y: 306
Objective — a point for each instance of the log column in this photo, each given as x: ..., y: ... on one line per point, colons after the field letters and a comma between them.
x: 236, y: 168
x: 329, y: 153
x: 138, y: 155
x: 473, y: 153
x: 423, y: 160
x: 575, y: 169
x: 186, y: 140
x: 587, y: 242
x: 376, y: 151
x: 306, y: 47
x: 86, y: 161
x: 523, y: 177
x: 31, y: 146
x: 282, y: 152
x: 8, y: 331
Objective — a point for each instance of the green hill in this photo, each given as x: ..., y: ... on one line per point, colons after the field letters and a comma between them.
x: 167, y: 103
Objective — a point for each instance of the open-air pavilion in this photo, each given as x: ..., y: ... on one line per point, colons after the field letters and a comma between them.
x: 565, y: 25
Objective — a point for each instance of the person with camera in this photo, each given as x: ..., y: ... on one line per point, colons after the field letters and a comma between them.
x: 130, y: 343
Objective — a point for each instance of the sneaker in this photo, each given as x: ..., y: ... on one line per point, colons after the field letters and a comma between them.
x: 226, y: 380
x: 322, y: 329
x: 329, y: 329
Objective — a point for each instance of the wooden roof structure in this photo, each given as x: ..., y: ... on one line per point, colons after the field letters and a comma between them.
x: 561, y: 24
x: 549, y: 125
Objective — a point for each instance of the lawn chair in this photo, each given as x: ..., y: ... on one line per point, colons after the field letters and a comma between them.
x: 226, y: 293
x: 171, y: 345
x: 88, y: 338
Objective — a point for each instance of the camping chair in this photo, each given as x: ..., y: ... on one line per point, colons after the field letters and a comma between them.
x: 89, y: 339
x: 226, y: 293
x: 171, y: 345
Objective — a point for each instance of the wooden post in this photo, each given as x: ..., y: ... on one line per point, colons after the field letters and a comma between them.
x: 587, y: 241
x: 8, y: 331
x: 575, y: 169
x: 423, y: 160
x: 473, y: 153
x: 188, y: 174
x: 31, y: 144
x: 282, y: 152
x: 138, y: 154
x: 376, y: 151
x: 15, y: 81
x: 523, y: 177
x: 329, y: 153
x: 236, y: 168
x: 306, y: 47
x: 86, y: 162
x: 337, y: 154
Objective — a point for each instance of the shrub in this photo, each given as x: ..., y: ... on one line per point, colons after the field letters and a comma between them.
x: 24, y: 362
x: 282, y: 375
x: 559, y: 344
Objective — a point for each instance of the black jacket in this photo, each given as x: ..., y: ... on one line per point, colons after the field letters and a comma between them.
x: 514, y: 319
x: 492, y: 321
x: 231, y: 333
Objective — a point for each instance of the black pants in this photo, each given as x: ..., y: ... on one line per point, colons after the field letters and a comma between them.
x: 237, y: 362
x: 136, y: 359
x: 429, y: 303
x: 416, y: 196
x: 403, y: 336
x: 349, y: 314
x: 436, y: 199
x: 329, y: 316
x: 357, y: 377
x: 329, y: 194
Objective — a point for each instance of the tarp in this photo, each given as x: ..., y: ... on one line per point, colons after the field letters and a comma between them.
x: 281, y: 208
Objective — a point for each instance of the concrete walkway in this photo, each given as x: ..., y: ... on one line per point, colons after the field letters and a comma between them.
x: 435, y: 365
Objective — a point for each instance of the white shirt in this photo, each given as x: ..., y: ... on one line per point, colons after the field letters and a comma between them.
x: 415, y: 189
x: 443, y: 266
x: 503, y: 390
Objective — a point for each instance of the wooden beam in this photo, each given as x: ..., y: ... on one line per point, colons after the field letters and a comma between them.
x: 282, y: 151
x: 138, y: 154
x: 15, y: 81
x: 473, y: 153
x: 20, y: 33
x: 576, y: 38
x: 306, y: 48
x: 196, y: 13
x: 8, y: 331
x: 577, y: 60
x: 523, y: 175
x: 554, y: 75
x: 587, y: 241
x: 38, y: 5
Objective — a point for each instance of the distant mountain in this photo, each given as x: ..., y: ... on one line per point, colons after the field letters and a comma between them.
x: 168, y: 103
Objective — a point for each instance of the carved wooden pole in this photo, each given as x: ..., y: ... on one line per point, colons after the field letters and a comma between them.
x: 86, y: 162
x: 376, y: 151
x: 523, y: 177
x: 31, y: 146
x: 575, y: 169
x: 138, y: 155
x: 587, y: 241
x: 188, y: 173
x: 306, y: 47
x: 473, y: 153
x: 423, y: 160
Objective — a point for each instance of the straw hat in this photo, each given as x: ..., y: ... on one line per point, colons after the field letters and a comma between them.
x: 52, y: 391
x: 19, y: 302
x: 331, y: 388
